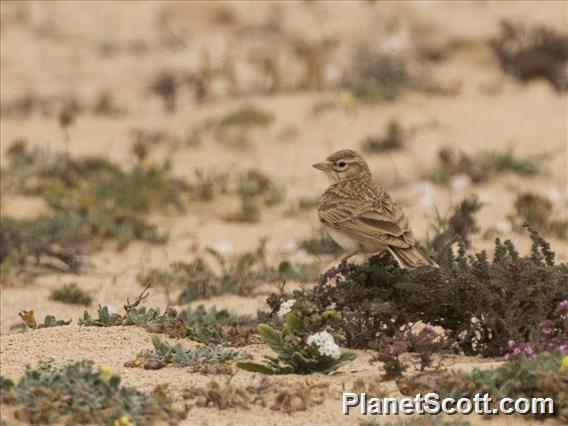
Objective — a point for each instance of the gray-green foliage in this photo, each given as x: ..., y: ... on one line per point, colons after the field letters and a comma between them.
x: 241, y: 275
x: 208, y: 326
x: 71, y: 294
x: 321, y: 244
x: 293, y: 354
x: 542, y: 375
x: 80, y: 394
x: 166, y: 353
x: 247, y: 116
x: 484, y: 165
x: 51, y: 321
x: 91, y: 199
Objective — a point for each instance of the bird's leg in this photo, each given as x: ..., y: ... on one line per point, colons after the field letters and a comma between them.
x: 348, y: 256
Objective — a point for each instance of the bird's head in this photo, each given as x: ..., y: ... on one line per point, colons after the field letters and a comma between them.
x: 343, y: 165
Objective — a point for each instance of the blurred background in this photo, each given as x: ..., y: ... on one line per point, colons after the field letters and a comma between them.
x: 157, y: 130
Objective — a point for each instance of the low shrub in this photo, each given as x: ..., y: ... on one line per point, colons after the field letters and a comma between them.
x: 205, y: 326
x: 71, y: 294
x: 29, y: 320
x: 483, y: 166
x: 80, y: 394
x: 528, y: 53
x: 303, y: 345
x: 199, y: 359
x: 481, y: 304
x: 540, y: 377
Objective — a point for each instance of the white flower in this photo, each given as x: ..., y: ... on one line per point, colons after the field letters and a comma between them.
x: 325, y: 344
x: 286, y: 307
x: 460, y: 182
x: 503, y: 226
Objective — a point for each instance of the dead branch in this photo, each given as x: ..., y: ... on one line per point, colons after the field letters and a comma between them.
x: 143, y: 295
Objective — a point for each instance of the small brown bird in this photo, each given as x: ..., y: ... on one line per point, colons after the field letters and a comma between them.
x: 361, y: 216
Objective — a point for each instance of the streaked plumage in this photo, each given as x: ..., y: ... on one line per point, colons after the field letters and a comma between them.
x: 361, y: 216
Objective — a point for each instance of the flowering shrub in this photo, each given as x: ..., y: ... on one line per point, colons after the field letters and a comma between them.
x: 481, y: 303
x: 325, y: 344
x: 80, y: 393
x: 424, y: 343
x: 388, y: 352
x: 541, y: 376
x: 304, y: 344
x: 550, y: 336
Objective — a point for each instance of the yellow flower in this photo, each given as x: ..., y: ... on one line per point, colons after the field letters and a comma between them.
x: 28, y: 318
x: 123, y: 421
x: 346, y: 98
x: 106, y: 373
x: 564, y: 363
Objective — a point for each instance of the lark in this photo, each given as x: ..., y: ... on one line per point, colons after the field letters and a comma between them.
x: 362, y: 217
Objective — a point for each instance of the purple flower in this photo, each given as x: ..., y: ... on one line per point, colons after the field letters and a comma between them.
x: 511, y: 344
x: 563, y: 349
x: 390, y: 350
x: 529, y: 352
x: 546, y: 327
x: 428, y: 328
x: 562, y: 309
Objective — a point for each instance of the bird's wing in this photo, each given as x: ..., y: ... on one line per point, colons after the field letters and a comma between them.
x: 365, y: 222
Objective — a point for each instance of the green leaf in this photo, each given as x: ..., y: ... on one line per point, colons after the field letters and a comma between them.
x: 345, y: 358
x: 294, y: 323
x: 272, y: 338
x: 255, y: 368
x: 308, y: 364
x: 407, y: 286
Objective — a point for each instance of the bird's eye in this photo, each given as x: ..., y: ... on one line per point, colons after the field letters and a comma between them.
x: 341, y: 164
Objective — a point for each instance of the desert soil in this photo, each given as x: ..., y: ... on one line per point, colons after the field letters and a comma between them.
x: 54, y: 48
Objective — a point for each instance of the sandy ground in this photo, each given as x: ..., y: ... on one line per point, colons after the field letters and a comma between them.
x: 54, y: 48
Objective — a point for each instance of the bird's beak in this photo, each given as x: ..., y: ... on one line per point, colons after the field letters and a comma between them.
x: 321, y: 166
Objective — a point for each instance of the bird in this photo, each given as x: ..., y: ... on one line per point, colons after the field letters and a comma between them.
x: 361, y: 216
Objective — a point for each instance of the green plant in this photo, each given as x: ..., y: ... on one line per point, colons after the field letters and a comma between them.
x: 71, y: 294
x: 393, y: 139
x: 303, y: 345
x: 208, y: 326
x: 239, y: 276
x: 376, y: 76
x: 537, y: 211
x: 105, y: 105
x: 30, y: 247
x: 543, y: 376
x: 208, y: 184
x: 254, y: 187
x: 321, y: 244
x: 480, y: 303
x: 217, y: 326
x: 528, y: 53
x: 247, y: 116
x: 79, y: 394
x: 216, y: 395
x: 165, y: 353
x: 166, y: 85
x: 50, y: 321
x: 151, y: 319
x: 483, y: 166
x: 463, y: 222
x: 92, y: 200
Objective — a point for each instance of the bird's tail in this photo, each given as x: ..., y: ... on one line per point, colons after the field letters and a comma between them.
x: 410, y: 257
